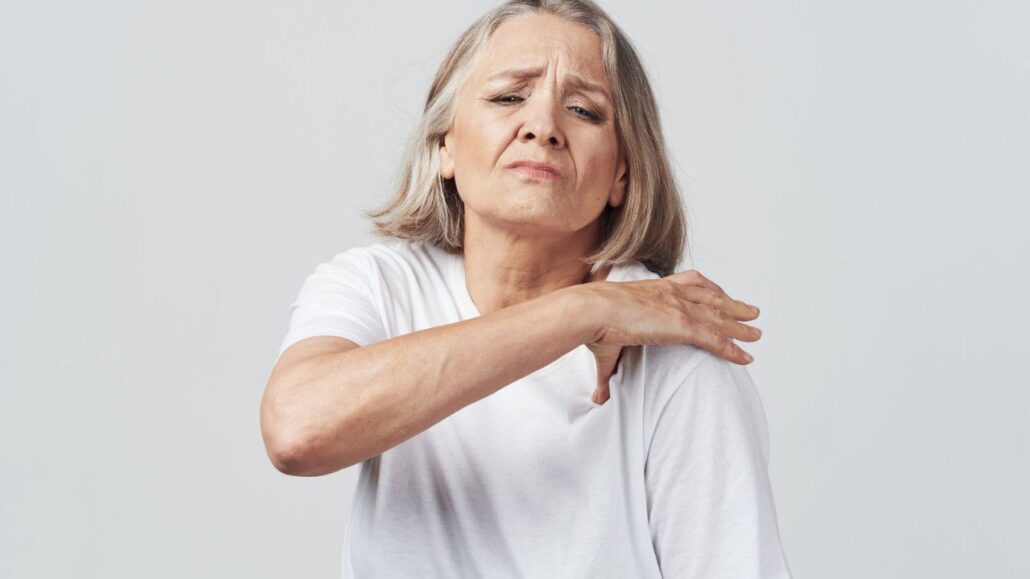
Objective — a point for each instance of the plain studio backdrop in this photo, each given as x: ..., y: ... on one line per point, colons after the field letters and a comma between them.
x: 172, y: 171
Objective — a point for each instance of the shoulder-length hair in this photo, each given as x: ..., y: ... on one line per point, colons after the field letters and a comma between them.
x: 649, y: 225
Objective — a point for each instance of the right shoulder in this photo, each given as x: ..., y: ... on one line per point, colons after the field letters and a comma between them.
x: 389, y: 256
x: 356, y: 293
x: 381, y: 259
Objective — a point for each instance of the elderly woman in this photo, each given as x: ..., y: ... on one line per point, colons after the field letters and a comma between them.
x: 530, y: 388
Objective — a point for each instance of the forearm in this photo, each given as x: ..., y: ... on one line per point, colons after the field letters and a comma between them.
x: 362, y: 402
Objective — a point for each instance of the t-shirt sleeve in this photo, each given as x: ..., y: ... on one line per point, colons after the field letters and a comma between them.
x: 709, y: 499
x: 338, y: 299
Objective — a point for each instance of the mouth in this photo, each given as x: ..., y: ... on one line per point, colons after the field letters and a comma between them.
x: 536, y: 170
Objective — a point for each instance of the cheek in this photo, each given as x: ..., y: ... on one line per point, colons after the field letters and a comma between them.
x: 480, y: 150
x: 599, y: 171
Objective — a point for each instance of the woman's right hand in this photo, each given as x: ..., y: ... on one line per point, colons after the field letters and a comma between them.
x: 685, y: 307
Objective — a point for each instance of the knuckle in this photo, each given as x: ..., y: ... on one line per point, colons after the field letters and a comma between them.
x: 716, y: 298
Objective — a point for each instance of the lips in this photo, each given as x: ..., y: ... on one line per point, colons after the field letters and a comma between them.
x: 536, y: 169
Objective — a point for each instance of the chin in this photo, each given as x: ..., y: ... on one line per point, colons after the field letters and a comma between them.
x: 534, y: 219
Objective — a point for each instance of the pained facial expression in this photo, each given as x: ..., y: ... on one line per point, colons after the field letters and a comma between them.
x: 543, y: 115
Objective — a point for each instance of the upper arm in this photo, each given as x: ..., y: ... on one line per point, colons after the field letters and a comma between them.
x: 308, y: 348
x: 709, y: 499
x: 340, y: 298
x: 337, y: 309
x: 287, y: 380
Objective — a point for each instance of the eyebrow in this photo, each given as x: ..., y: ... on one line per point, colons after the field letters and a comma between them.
x: 574, y: 79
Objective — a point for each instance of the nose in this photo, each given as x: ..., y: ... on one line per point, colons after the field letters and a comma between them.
x: 540, y: 121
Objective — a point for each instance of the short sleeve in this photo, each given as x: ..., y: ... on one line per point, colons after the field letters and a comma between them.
x: 709, y: 499
x: 338, y: 299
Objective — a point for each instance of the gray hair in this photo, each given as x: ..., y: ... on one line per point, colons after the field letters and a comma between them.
x: 649, y: 225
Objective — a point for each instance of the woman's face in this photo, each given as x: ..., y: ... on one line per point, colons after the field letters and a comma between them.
x: 558, y: 110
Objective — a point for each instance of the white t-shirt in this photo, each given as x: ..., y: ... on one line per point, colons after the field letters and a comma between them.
x: 668, y: 478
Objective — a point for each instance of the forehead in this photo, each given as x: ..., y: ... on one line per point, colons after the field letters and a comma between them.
x: 533, y: 42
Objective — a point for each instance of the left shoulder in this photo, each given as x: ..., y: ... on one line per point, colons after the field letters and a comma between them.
x: 691, y: 381
x: 668, y: 367
x: 631, y: 271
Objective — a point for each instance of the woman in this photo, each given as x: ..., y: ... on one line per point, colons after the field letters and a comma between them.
x: 529, y: 387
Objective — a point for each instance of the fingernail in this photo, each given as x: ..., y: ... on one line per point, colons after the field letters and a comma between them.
x: 748, y: 357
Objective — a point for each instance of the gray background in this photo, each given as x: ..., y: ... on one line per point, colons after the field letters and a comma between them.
x: 171, y: 171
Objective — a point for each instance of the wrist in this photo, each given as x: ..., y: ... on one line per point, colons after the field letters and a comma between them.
x: 583, y: 310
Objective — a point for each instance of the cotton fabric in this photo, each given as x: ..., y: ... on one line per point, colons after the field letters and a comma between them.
x: 668, y: 478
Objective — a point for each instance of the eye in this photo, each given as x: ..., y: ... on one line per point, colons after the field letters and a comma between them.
x: 501, y: 100
x: 589, y: 114
x: 582, y: 112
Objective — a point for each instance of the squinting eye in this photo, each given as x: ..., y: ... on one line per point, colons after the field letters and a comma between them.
x: 586, y: 113
x: 589, y: 114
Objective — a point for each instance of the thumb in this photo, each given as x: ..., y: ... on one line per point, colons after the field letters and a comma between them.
x: 606, y: 358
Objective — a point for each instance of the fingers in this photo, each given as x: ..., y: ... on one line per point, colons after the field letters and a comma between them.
x: 739, y: 331
x: 606, y: 358
x: 712, y: 317
x: 720, y: 311
x: 707, y: 337
x: 703, y: 290
x: 729, y: 306
x: 709, y: 328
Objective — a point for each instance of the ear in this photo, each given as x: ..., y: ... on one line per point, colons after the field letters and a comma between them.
x: 446, y: 159
x: 618, y: 192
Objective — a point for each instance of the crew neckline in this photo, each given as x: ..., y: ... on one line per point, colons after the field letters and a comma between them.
x: 468, y: 307
x: 469, y: 310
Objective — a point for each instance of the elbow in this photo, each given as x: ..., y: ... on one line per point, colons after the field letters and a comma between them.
x: 298, y: 449
x: 286, y: 444
x: 296, y: 454
x: 289, y: 453
x: 289, y: 449
x: 301, y: 456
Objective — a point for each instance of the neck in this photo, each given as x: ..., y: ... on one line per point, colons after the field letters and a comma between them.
x: 503, y: 268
